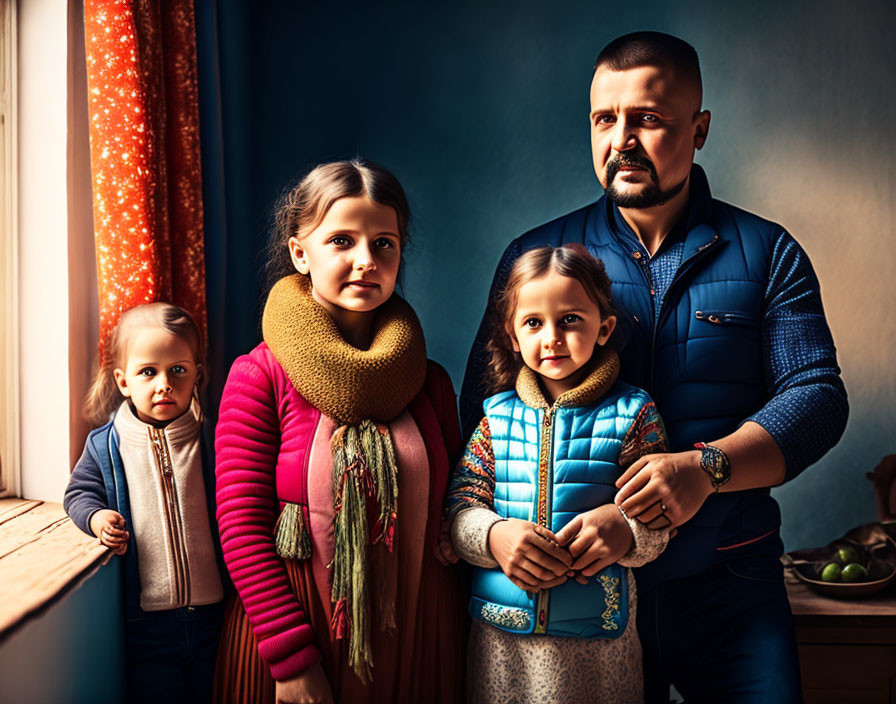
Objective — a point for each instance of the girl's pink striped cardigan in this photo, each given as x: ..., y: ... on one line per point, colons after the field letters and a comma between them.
x: 262, y: 444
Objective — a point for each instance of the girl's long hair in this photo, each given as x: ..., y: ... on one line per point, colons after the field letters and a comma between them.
x: 571, y: 260
x: 302, y: 207
x: 104, y: 397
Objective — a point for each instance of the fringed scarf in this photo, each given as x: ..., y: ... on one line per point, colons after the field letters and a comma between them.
x: 361, y: 390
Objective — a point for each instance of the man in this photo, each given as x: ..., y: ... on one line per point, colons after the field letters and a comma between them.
x: 722, y: 323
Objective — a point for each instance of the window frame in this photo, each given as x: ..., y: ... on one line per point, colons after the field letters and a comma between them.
x: 10, y: 451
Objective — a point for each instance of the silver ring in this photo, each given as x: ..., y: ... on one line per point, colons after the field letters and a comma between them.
x: 663, y: 507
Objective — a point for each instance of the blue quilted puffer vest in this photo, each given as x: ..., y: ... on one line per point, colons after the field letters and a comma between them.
x: 551, y: 465
x: 700, y: 359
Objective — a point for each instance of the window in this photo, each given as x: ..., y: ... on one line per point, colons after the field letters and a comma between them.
x: 9, y: 341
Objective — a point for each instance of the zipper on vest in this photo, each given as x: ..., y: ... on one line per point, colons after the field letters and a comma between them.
x: 545, y: 489
x: 721, y: 318
x: 173, y: 524
x: 686, y: 266
x: 545, y: 469
x: 644, y: 268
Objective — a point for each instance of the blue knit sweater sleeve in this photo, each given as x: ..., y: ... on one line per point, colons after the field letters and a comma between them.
x: 86, y: 493
x: 472, y: 391
x: 807, y: 412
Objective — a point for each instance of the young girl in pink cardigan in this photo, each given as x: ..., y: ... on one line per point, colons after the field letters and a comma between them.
x: 334, y: 446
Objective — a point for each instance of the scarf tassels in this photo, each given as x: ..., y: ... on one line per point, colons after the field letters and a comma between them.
x: 292, y: 539
x: 364, y: 467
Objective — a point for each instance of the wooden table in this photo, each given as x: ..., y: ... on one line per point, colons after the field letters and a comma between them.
x: 847, y: 648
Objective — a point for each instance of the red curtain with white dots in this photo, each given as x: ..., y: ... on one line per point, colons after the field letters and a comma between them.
x: 144, y: 151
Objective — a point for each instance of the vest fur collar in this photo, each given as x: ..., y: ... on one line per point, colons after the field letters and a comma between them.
x: 605, y: 363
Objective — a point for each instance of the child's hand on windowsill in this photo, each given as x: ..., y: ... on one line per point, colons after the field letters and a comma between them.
x: 108, y: 526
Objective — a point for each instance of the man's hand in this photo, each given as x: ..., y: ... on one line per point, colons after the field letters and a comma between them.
x: 309, y: 687
x: 108, y: 526
x: 595, y: 539
x: 528, y: 554
x: 671, y: 481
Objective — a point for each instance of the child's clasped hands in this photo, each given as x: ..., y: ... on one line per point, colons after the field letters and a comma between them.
x: 535, y: 558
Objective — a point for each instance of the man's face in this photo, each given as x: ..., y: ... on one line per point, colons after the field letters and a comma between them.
x: 645, y: 126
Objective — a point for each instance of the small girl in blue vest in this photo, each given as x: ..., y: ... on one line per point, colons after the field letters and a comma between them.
x: 531, y: 503
x: 144, y: 487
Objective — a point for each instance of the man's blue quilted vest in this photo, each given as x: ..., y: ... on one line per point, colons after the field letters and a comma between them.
x: 700, y: 360
x: 583, y: 445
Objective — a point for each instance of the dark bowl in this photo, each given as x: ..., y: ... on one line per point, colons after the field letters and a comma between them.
x: 876, y: 550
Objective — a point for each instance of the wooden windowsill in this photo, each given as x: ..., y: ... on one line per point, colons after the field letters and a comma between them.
x: 43, y: 555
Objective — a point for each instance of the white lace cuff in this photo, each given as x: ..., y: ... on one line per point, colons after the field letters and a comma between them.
x: 469, y: 535
x: 646, y: 544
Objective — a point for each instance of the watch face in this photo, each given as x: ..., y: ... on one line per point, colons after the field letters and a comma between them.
x: 716, y: 464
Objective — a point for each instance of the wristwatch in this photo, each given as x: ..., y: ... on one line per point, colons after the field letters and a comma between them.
x: 715, y: 463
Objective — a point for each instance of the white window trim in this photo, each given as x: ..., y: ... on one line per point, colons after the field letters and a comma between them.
x: 10, y: 473
x: 44, y: 320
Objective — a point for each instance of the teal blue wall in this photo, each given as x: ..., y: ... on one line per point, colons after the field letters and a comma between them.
x: 481, y: 110
x: 71, y: 654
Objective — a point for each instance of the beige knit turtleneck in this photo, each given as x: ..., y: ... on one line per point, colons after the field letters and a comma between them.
x: 166, y: 491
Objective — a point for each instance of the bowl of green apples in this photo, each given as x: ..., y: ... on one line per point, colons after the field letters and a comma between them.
x: 861, y: 563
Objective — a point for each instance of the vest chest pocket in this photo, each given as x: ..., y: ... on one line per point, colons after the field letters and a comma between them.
x: 723, y: 346
x: 727, y: 317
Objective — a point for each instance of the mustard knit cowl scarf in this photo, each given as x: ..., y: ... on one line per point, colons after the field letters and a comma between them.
x: 361, y: 390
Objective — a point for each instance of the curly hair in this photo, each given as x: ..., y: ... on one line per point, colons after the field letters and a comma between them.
x: 571, y: 260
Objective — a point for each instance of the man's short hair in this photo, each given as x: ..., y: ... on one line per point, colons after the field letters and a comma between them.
x: 652, y: 49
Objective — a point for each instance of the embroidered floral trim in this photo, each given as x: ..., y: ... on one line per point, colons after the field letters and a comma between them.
x: 611, y: 597
x: 506, y: 617
x: 473, y: 482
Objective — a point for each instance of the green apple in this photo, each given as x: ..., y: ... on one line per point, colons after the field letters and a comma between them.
x: 847, y: 554
x: 831, y: 572
x: 854, y: 572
